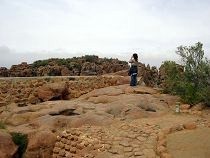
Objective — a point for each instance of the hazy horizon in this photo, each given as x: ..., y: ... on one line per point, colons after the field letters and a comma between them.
x: 35, y: 30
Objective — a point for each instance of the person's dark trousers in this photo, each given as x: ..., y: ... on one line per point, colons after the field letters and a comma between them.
x: 133, y: 80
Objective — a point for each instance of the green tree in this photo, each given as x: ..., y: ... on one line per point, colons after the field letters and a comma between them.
x: 196, y: 67
x: 196, y: 74
x: 194, y: 84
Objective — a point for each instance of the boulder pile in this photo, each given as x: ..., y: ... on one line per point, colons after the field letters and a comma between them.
x: 21, y: 70
x: 81, y: 66
x: 36, y: 90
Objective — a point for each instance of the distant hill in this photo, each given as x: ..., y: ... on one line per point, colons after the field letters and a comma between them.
x: 77, y: 66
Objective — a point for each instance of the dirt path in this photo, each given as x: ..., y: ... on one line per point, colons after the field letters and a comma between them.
x: 190, y: 144
x: 136, y: 139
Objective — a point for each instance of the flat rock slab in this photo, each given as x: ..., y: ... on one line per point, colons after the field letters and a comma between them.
x: 190, y: 143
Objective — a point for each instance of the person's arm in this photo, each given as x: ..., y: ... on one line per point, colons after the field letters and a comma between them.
x: 131, y: 60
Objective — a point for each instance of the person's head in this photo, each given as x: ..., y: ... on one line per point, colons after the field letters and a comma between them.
x: 135, y: 56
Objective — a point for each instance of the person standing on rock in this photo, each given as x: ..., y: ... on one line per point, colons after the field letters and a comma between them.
x: 133, y: 71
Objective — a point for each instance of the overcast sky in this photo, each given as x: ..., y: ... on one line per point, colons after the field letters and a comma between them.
x: 39, y: 29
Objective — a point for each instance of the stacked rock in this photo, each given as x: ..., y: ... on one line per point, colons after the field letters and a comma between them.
x: 75, y: 144
x: 68, y: 145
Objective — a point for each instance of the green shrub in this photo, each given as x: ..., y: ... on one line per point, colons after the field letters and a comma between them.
x: 91, y: 58
x: 39, y: 63
x: 2, y: 125
x: 193, y: 84
x: 21, y: 140
x: 172, y: 78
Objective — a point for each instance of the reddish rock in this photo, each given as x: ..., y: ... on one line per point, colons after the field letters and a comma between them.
x: 190, y: 126
x: 33, y: 100
x: 53, y: 91
x: 40, y: 144
x: 198, y: 107
x: 21, y: 70
x: 7, y: 147
x: 65, y: 71
x: 89, y: 69
x: 185, y: 107
x: 3, y: 103
x: 4, y: 72
x: 162, y: 143
x: 123, y: 80
x: 161, y: 149
x: 165, y: 155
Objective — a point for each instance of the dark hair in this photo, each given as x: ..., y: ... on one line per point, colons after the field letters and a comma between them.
x: 135, y: 56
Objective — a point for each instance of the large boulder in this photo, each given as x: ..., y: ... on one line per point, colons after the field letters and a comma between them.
x: 89, y: 69
x: 8, y: 149
x: 21, y: 70
x: 40, y: 144
x: 65, y: 71
x: 49, y: 70
x: 150, y: 76
x: 4, y: 72
x: 53, y: 91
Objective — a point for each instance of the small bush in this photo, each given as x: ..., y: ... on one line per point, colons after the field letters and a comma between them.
x: 91, y: 58
x: 2, y: 125
x: 173, y: 76
x: 21, y: 140
x: 39, y: 63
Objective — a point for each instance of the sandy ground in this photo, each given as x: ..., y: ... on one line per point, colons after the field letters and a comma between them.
x: 190, y: 144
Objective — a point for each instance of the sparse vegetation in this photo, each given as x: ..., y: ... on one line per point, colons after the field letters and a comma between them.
x: 22, y: 141
x: 90, y: 58
x: 75, y: 62
x: 39, y: 63
x: 2, y: 125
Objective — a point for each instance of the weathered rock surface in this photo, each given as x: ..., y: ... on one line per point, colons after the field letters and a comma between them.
x: 86, y: 65
x: 4, y: 72
x: 114, y: 121
x: 56, y: 91
x: 40, y: 144
x: 97, y: 107
x: 21, y: 70
x: 35, y: 90
x: 7, y: 147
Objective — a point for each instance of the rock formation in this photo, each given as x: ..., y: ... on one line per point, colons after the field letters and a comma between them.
x: 21, y: 70
x: 8, y: 149
x: 110, y: 122
x: 4, y: 72
x: 36, y: 90
x: 81, y: 66
x: 53, y: 91
x: 40, y: 144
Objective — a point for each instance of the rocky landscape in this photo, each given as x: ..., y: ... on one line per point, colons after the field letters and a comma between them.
x: 88, y: 65
x: 78, y: 66
x: 98, y: 117
x: 24, y: 91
